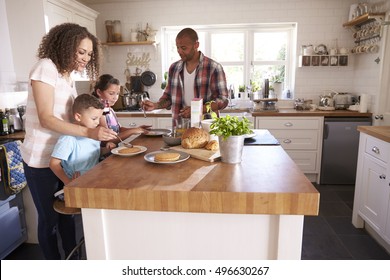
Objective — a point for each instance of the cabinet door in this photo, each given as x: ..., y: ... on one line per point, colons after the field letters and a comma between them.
x: 306, y: 160
x: 375, y: 193
x: 387, y: 230
x: 86, y: 22
x: 57, y: 14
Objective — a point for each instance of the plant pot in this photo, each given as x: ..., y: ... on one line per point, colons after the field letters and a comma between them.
x: 231, y: 148
x: 278, y: 88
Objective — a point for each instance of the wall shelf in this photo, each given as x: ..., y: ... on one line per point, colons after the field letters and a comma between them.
x: 129, y: 43
x: 323, y: 60
x: 367, y: 32
x: 364, y: 19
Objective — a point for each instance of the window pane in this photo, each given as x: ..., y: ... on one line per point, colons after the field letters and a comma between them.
x: 270, y: 46
x: 227, y: 47
x: 274, y: 73
x: 234, y: 76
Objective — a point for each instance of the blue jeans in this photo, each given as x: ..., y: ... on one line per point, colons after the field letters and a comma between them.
x: 43, y: 183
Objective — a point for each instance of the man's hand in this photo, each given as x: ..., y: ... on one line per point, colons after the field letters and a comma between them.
x: 148, y: 105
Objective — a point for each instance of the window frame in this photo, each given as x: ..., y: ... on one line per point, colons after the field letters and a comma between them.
x: 170, y: 32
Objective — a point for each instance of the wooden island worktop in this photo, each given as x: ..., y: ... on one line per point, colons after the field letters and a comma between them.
x: 262, y: 201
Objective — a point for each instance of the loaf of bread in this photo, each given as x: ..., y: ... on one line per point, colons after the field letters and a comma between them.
x: 213, y: 145
x: 194, y: 138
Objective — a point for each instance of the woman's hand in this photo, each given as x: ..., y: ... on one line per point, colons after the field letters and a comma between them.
x: 102, y: 134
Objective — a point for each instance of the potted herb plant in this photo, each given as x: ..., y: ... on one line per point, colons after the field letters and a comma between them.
x: 231, y: 131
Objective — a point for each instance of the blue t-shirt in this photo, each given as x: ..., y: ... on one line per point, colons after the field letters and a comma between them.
x: 76, y: 153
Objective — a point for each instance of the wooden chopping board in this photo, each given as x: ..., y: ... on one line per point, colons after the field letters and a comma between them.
x: 201, y: 154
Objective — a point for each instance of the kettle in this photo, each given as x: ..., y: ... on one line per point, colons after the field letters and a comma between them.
x: 326, y: 100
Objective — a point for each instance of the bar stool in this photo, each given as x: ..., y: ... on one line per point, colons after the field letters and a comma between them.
x: 59, y: 207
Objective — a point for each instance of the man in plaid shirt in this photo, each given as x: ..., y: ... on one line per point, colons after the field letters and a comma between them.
x: 194, y: 76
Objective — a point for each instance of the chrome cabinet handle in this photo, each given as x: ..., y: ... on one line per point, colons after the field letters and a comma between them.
x: 383, y: 176
x: 288, y: 124
x: 375, y: 149
x: 287, y: 141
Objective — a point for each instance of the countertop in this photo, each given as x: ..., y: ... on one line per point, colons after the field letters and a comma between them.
x: 381, y: 132
x: 266, y: 182
x: 279, y: 113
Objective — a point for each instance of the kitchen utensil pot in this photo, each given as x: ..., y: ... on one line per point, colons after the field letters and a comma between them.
x: 148, y: 78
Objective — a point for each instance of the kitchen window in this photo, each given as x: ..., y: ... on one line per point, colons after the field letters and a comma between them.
x: 249, y: 53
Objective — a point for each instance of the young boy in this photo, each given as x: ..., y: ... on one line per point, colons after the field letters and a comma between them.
x: 74, y: 155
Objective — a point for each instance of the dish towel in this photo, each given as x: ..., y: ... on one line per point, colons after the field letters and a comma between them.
x: 12, y: 171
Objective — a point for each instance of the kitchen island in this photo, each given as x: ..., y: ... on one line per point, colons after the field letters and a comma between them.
x: 134, y: 209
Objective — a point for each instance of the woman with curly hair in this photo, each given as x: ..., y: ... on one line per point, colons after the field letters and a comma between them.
x: 66, y: 48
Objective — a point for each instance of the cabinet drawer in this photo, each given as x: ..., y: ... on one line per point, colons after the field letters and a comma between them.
x: 297, y: 139
x: 377, y: 148
x: 306, y: 161
x: 287, y: 123
x: 135, y: 122
x: 164, y: 123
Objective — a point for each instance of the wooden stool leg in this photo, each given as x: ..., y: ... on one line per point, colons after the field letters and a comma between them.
x: 77, y: 248
x: 59, y: 207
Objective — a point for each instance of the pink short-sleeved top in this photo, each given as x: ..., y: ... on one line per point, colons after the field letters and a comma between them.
x: 39, y: 142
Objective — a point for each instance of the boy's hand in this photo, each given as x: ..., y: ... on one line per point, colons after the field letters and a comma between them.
x: 110, y: 145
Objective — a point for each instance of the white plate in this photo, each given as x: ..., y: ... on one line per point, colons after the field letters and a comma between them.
x: 157, y: 132
x: 150, y: 157
x: 250, y: 135
x: 116, y: 151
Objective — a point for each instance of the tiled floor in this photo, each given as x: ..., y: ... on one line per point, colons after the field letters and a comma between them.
x: 329, y: 236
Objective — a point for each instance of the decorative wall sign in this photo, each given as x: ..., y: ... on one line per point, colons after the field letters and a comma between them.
x: 138, y: 60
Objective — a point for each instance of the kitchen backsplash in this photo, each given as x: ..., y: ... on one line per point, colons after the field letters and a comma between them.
x: 319, y: 22
x: 12, y: 99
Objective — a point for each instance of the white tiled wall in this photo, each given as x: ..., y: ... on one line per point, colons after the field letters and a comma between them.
x: 319, y: 21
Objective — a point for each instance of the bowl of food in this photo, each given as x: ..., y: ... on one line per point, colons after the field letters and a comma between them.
x: 171, y: 139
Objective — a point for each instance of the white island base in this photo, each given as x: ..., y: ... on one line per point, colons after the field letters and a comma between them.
x: 150, y: 235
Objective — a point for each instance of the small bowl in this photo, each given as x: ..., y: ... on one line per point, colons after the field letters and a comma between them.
x: 206, y: 124
x: 170, y: 140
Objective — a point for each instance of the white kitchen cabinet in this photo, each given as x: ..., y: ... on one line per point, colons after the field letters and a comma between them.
x: 372, y: 189
x: 301, y: 137
x: 137, y: 121
x: 164, y: 123
x: 61, y: 11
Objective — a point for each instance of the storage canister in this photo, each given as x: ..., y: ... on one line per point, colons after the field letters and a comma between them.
x: 117, y: 31
x: 110, y: 30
